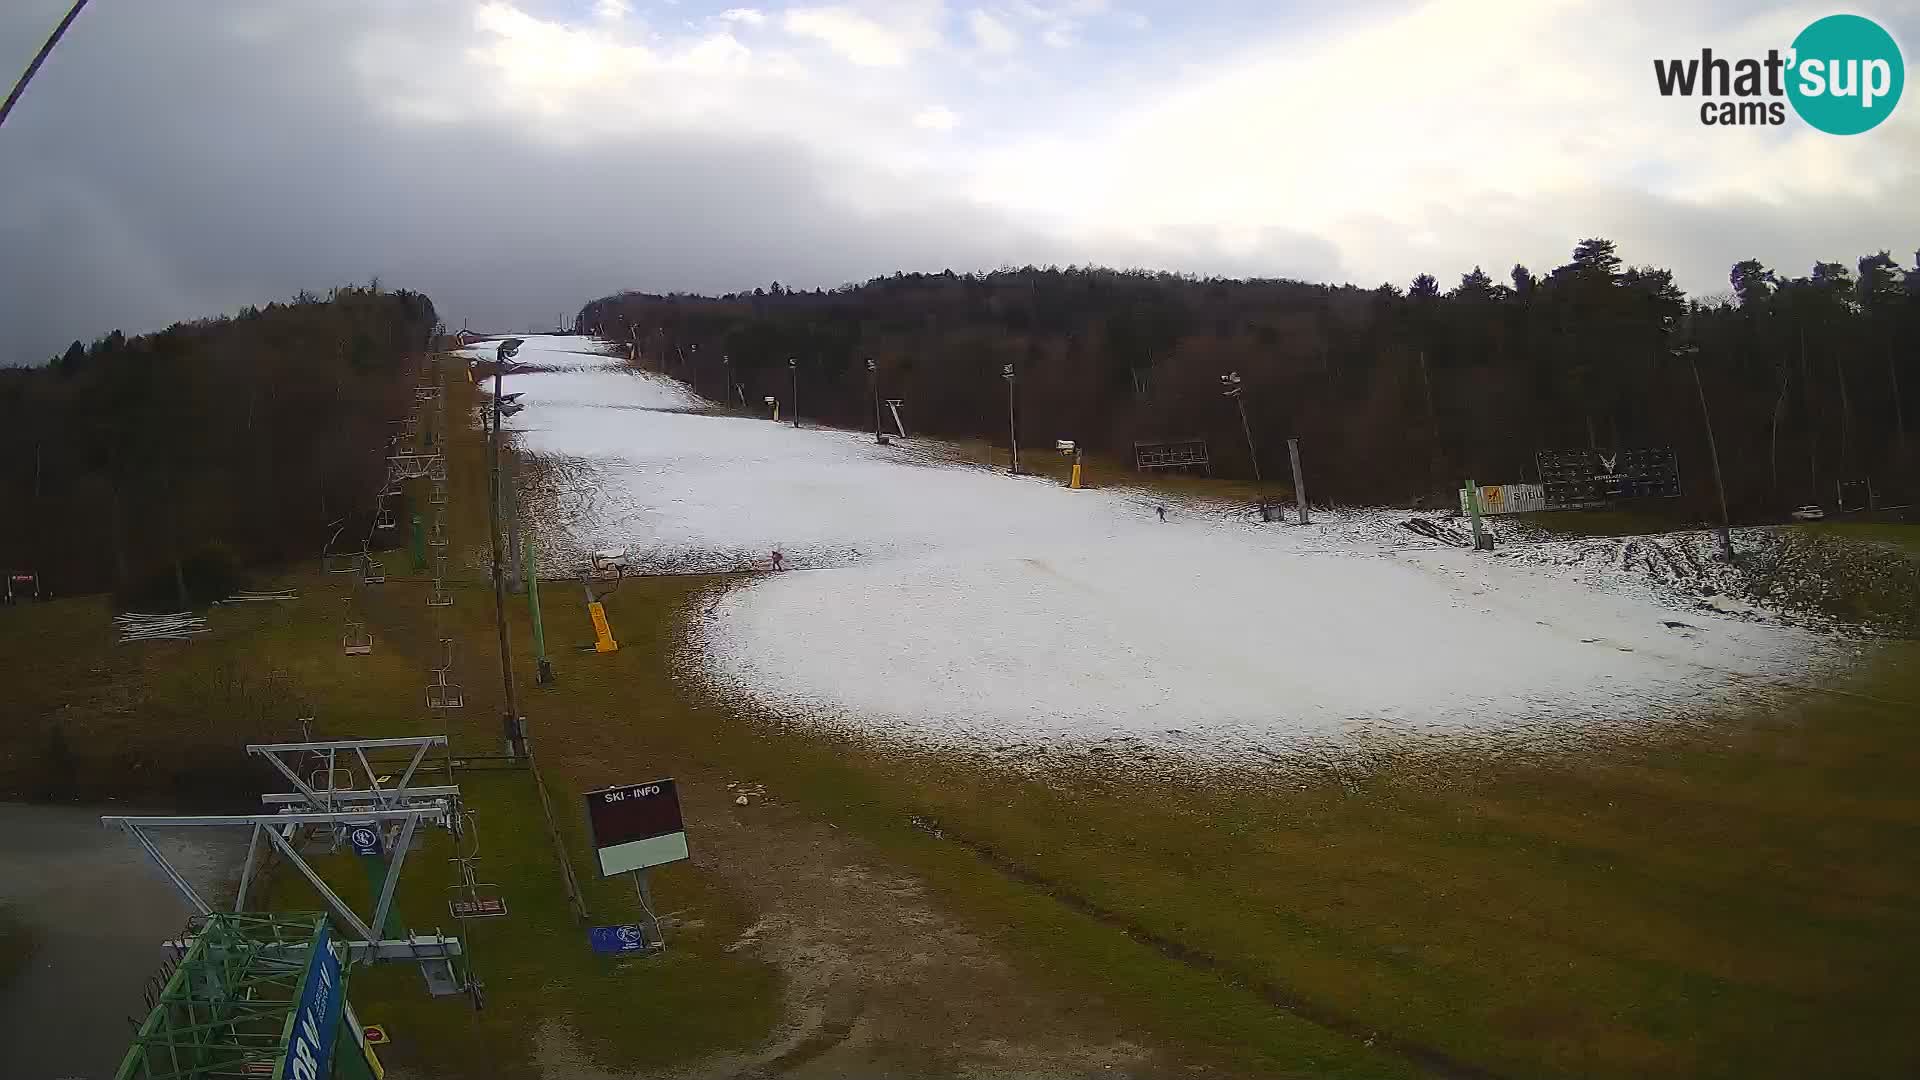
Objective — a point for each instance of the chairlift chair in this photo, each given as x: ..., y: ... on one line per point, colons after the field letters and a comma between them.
x: 437, y: 468
x: 372, y: 572
x: 438, y: 535
x: 446, y: 662
x: 439, y: 495
x: 356, y: 641
x: 438, y: 596
x: 407, y: 464
x: 442, y: 694
x: 475, y: 891
x: 327, y: 780
x: 337, y: 562
x: 383, y: 519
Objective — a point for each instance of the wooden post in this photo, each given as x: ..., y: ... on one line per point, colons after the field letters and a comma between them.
x: 1299, y: 480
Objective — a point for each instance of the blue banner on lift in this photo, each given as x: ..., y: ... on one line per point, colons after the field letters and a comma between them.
x: 310, y: 1043
x: 631, y: 937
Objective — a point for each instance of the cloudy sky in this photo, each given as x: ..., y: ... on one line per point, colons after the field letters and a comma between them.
x: 177, y: 158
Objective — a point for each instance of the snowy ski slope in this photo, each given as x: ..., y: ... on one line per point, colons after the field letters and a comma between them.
x: 951, y: 607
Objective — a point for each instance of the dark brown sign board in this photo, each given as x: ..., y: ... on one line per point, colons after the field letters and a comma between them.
x: 636, y: 826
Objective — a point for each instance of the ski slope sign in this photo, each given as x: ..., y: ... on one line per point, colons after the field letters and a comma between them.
x: 636, y: 826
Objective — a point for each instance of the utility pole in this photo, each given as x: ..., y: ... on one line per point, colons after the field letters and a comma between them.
x: 1013, y: 424
x: 793, y: 365
x: 1230, y: 386
x: 516, y: 737
x: 873, y: 384
x: 1713, y: 450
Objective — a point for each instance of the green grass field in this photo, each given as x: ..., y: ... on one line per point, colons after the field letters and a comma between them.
x: 1723, y: 899
x: 16, y: 944
x: 1731, y: 895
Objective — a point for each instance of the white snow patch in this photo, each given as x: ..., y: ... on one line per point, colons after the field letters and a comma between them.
x: 952, y: 607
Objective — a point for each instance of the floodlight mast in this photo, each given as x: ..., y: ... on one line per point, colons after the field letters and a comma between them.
x: 1725, y: 531
x: 1008, y: 373
x: 1230, y: 386
x: 873, y: 385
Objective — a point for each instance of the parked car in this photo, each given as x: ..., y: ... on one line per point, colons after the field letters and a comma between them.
x: 1808, y: 513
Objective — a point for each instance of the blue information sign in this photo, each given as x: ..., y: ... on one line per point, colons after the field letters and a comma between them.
x: 631, y: 937
x: 365, y: 838
x: 313, y: 1024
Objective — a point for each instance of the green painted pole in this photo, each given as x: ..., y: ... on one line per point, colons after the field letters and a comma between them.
x: 543, y: 672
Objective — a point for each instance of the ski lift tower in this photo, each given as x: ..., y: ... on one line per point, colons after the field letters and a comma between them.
x: 252, y: 995
x: 334, y: 804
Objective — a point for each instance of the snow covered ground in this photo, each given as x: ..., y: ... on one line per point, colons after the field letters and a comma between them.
x: 950, y: 607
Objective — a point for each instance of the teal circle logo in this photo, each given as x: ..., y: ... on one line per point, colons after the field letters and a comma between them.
x: 1846, y: 76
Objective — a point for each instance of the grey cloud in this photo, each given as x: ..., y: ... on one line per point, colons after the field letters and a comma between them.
x: 166, y: 165
x: 175, y: 160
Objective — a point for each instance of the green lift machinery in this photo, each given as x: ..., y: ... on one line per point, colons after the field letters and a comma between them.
x: 253, y: 995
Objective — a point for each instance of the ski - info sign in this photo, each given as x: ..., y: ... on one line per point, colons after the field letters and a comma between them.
x: 636, y: 826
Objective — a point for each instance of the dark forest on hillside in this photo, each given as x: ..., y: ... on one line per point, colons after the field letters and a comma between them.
x: 212, y: 444
x: 1397, y: 394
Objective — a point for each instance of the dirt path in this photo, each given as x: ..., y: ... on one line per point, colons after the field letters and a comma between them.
x: 879, y: 982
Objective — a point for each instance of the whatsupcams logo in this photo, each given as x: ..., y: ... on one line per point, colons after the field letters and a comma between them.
x: 1843, y: 74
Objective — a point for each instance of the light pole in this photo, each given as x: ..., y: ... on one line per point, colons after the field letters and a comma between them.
x: 726, y: 381
x: 1713, y: 449
x: 873, y: 384
x: 1230, y: 387
x: 793, y: 365
x: 516, y: 738
x: 1013, y: 424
